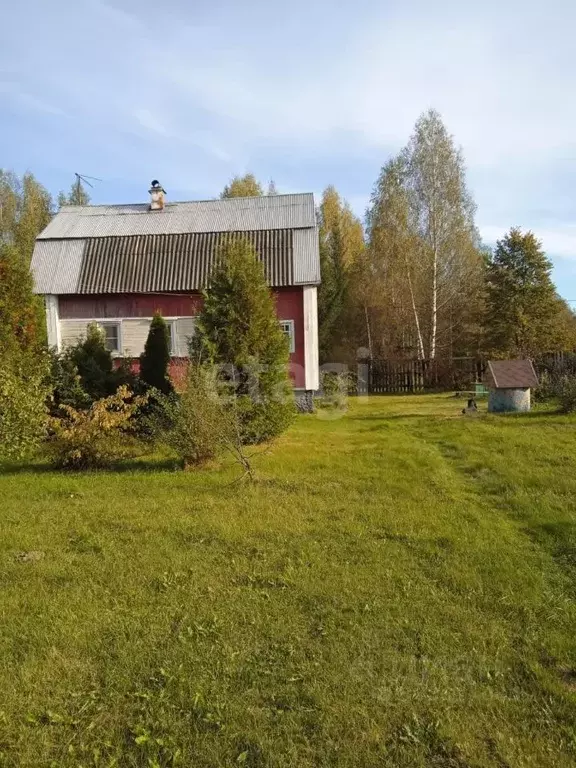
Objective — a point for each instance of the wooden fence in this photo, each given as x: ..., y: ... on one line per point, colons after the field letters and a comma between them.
x: 404, y: 376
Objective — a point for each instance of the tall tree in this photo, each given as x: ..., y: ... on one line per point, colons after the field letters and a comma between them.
x: 341, y: 246
x: 25, y: 209
x: 21, y: 330
x: 238, y: 330
x: 23, y: 363
x: 391, y: 285
x: 78, y: 195
x: 524, y: 315
x: 243, y: 186
x: 155, y: 359
x: 423, y: 241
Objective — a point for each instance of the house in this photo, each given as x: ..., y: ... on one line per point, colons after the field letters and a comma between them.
x: 118, y: 264
x: 509, y: 383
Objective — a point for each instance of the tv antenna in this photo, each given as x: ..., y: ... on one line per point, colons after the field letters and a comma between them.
x: 81, y: 178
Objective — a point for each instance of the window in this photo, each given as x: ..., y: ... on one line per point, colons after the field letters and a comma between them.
x: 111, y: 336
x: 172, y: 331
x: 288, y: 328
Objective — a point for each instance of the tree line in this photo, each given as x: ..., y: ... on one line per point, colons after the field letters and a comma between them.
x: 414, y: 280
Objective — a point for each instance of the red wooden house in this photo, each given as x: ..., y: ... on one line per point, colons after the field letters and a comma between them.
x: 118, y: 264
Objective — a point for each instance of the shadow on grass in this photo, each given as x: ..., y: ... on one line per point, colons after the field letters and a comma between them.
x: 392, y: 416
x: 534, y: 414
x: 133, y: 465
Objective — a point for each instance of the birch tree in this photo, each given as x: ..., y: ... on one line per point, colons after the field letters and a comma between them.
x: 394, y: 280
x: 424, y: 243
x: 441, y: 217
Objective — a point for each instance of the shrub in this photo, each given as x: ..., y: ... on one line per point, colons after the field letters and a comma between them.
x: 567, y: 394
x: 238, y: 330
x: 24, y: 391
x: 547, y: 387
x: 65, y: 384
x: 94, y: 364
x: 96, y: 437
x: 200, y: 423
x: 155, y: 359
x: 335, y: 387
x: 155, y: 418
x: 98, y: 376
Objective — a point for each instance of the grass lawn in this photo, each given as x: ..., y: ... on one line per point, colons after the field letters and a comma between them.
x: 398, y: 588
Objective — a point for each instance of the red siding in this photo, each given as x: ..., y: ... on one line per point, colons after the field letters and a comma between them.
x: 129, y: 305
x: 289, y: 306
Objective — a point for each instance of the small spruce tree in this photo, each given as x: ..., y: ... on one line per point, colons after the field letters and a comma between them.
x: 94, y: 364
x: 238, y: 330
x: 523, y: 311
x: 155, y: 359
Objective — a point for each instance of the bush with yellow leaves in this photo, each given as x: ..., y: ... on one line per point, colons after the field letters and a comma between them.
x: 98, y: 437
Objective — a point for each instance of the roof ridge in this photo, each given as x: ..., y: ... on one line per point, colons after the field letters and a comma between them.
x: 225, y: 200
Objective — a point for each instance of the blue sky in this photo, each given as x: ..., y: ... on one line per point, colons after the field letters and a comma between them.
x: 306, y: 93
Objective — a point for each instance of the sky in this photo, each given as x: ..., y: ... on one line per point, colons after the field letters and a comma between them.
x: 307, y: 93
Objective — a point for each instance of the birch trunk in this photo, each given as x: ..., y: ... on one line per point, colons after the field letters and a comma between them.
x: 368, y: 332
x: 419, y: 339
x: 434, y: 318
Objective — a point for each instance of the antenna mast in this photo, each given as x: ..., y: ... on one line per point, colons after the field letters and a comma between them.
x: 81, y: 178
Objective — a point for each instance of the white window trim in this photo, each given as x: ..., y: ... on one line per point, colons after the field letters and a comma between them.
x: 292, y: 335
x: 173, y: 335
x: 114, y: 352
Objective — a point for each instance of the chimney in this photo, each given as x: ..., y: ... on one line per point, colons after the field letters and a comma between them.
x: 156, y: 196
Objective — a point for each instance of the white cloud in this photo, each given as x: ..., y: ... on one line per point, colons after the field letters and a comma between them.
x: 207, y: 88
x: 504, y: 97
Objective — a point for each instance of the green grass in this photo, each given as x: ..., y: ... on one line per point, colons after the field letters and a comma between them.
x: 398, y: 588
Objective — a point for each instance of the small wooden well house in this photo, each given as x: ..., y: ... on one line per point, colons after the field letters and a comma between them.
x: 509, y: 382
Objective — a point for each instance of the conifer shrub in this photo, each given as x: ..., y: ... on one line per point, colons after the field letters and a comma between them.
x: 99, y: 374
x: 239, y: 333
x: 65, y: 384
x: 155, y: 360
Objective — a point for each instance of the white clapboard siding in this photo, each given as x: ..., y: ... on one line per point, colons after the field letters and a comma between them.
x: 72, y: 331
x: 184, y: 330
x: 134, y: 334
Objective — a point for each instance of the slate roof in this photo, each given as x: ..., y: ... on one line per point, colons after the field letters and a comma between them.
x: 130, y: 249
x: 511, y: 374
